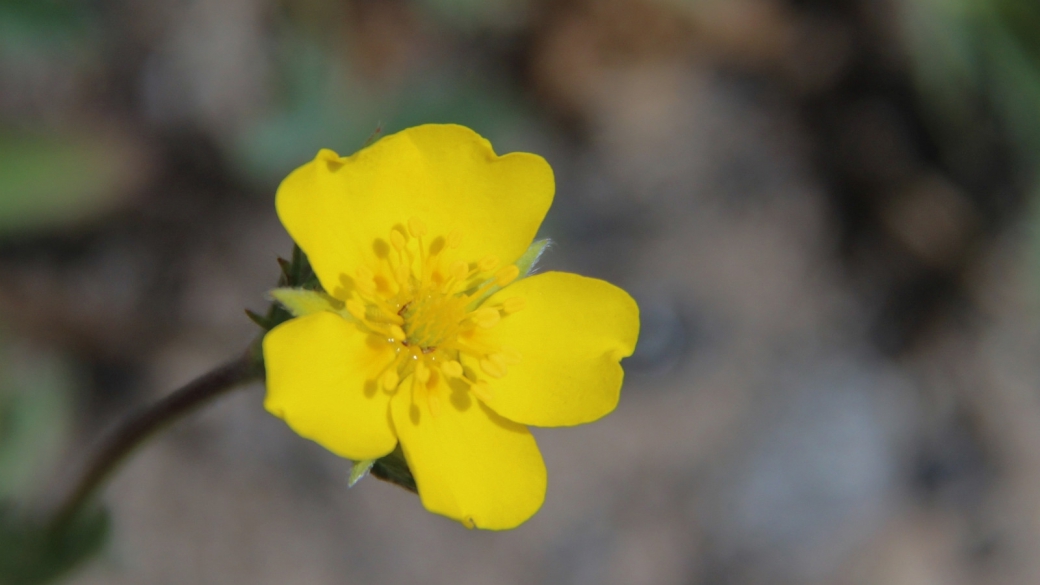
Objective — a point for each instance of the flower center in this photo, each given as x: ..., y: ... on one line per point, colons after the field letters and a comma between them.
x: 429, y: 306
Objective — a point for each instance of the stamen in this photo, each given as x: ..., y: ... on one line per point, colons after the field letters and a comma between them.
x: 495, y: 369
x: 510, y: 356
x: 498, y: 359
x: 416, y: 227
x: 422, y: 373
x: 486, y: 318
x: 452, y: 369
x: 507, y: 275
x: 422, y: 301
x: 459, y: 271
x: 356, y: 309
x: 513, y: 305
x: 481, y: 390
x: 390, y: 379
x: 487, y: 264
x: 397, y: 239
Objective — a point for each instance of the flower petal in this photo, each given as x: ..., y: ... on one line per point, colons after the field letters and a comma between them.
x: 341, y: 210
x: 469, y: 463
x: 570, y: 337
x: 321, y: 372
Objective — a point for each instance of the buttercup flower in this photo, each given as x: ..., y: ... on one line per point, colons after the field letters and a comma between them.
x: 431, y: 335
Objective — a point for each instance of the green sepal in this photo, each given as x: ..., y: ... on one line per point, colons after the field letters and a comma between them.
x: 259, y: 320
x: 394, y: 469
x: 296, y: 274
x: 359, y: 471
x: 32, y: 553
x: 534, y: 252
x: 525, y: 263
x: 301, y: 302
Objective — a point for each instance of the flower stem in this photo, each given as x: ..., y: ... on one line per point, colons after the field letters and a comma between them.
x: 140, y: 425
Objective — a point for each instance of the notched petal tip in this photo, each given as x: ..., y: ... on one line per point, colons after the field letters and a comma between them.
x: 572, y: 335
x: 333, y: 162
x: 447, y: 176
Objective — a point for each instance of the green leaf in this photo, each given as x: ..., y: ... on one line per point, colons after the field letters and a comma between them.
x: 301, y: 302
x: 296, y: 275
x: 359, y: 471
x: 32, y: 553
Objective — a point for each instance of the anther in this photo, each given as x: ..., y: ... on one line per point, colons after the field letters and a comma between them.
x: 514, y: 304
x: 397, y: 333
x: 416, y: 227
x: 422, y: 373
x: 363, y: 273
x: 487, y: 264
x: 397, y: 239
x: 481, y: 390
x: 452, y: 369
x: 486, y: 317
x: 507, y: 275
x: 390, y: 380
x: 510, y: 356
x: 495, y: 369
x: 459, y: 271
x: 365, y: 287
x: 357, y: 309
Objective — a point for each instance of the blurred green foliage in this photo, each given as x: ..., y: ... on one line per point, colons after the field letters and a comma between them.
x: 477, y: 14
x: 32, y: 553
x: 35, y: 416
x: 325, y: 103
x: 981, y: 55
x: 64, y: 174
x: 41, y: 21
x: 35, y: 422
x: 975, y: 54
x: 48, y: 181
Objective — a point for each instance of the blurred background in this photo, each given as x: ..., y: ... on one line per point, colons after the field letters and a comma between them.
x: 826, y: 210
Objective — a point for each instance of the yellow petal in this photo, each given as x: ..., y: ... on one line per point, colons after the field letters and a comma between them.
x: 569, y: 338
x: 322, y: 380
x: 341, y: 210
x: 469, y: 463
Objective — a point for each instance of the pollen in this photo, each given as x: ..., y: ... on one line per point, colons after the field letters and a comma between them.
x: 427, y: 304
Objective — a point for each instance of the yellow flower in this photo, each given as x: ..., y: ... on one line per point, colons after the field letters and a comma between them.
x: 431, y: 338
